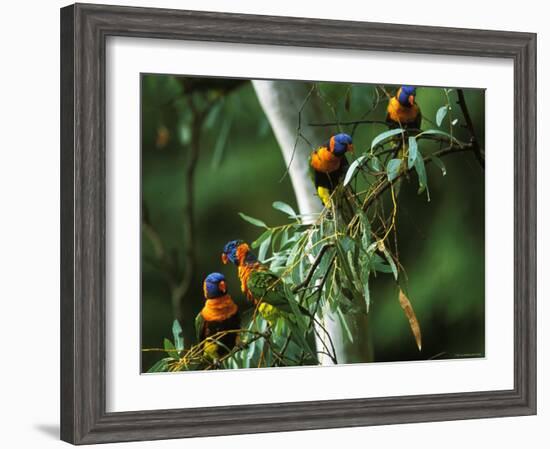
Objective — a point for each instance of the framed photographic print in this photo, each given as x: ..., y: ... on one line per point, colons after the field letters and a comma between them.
x: 345, y: 215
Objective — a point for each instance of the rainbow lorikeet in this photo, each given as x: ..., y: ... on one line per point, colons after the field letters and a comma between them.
x: 266, y: 290
x: 403, y: 112
x: 260, y: 285
x: 219, y: 314
x: 329, y: 164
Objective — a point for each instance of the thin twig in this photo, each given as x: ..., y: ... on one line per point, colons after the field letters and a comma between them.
x: 384, y: 185
x: 313, y: 267
x: 298, y: 132
x: 473, y: 137
x: 353, y: 122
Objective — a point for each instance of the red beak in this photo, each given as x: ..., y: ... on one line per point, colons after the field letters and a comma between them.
x: 411, y: 99
x: 224, y: 258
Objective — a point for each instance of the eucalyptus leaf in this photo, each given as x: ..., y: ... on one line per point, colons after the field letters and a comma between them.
x: 171, y: 349
x: 439, y: 163
x: 285, y: 208
x: 375, y: 164
x: 365, y: 237
x: 160, y: 366
x: 300, y: 327
x: 372, y: 248
x: 344, y: 263
x: 440, y: 115
x: 284, y: 238
x: 348, y: 244
x: 256, y: 243
x: 342, y: 259
x: 366, y: 294
x: 413, y: 151
x: 345, y: 325
x: 352, y: 266
x: 422, y: 177
x: 253, y: 221
x: 352, y: 169
x: 389, y: 258
x: 384, y: 136
x: 436, y: 132
x: 380, y: 266
x: 393, y: 169
x: 264, y: 247
x: 177, y: 331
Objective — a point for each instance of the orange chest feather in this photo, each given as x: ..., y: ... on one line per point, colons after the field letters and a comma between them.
x: 219, y: 309
x: 322, y: 160
x: 401, y: 114
x: 244, y: 272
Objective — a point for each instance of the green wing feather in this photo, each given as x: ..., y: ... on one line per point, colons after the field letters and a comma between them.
x: 267, y: 287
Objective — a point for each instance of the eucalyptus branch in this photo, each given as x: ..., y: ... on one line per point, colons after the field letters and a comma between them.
x: 313, y: 267
x: 385, y: 185
x: 321, y: 284
x: 256, y: 336
x: 352, y: 122
x: 161, y: 260
x: 188, y: 219
x: 285, y: 345
x: 298, y: 131
x: 332, y: 356
x: 470, y: 124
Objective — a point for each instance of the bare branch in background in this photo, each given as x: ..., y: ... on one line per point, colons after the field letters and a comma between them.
x: 473, y: 137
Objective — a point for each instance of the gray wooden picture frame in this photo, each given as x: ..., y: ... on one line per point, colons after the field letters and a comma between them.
x: 84, y: 29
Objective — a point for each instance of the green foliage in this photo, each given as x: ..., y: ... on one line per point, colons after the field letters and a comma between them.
x: 285, y: 208
x: 353, y: 168
x: 160, y: 366
x: 170, y: 349
x: 330, y: 266
x: 413, y: 152
x: 422, y: 176
x: 253, y: 221
x: 177, y: 332
x: 384, y: 137
x: 393, y: 167
x: 439, y: 163
x: 440, y: 115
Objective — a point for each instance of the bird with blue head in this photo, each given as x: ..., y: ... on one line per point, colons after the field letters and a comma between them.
x: 218, y: 321
x: 403, y: 112
x: 214, y: 286
x: 264, y: 289
x: 239, y: 253
x: 340, y: 143
x: 261, y: 286
x: 329, y: 164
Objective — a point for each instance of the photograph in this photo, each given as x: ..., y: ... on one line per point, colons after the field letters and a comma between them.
x: 292, y: 223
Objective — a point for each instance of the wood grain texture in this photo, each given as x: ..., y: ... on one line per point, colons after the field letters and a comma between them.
x: 84, y: 29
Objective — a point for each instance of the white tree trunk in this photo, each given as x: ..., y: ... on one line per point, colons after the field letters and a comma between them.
x: 282, y: 101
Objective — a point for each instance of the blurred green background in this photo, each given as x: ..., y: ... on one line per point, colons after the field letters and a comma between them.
x: 239, y: 169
